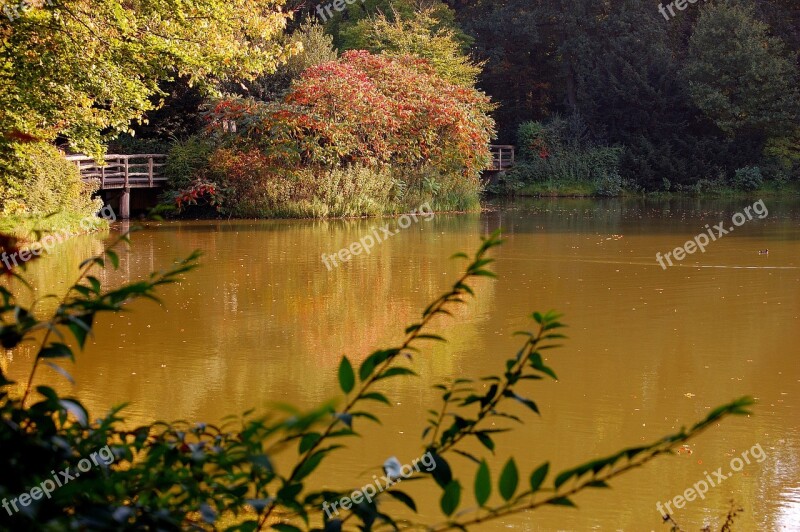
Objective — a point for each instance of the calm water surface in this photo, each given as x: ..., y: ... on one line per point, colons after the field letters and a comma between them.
x: 649, y: 350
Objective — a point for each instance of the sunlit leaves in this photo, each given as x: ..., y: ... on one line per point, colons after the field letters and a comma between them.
x: 98, y: 62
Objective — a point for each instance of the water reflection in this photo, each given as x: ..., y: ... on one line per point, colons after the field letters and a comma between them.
x: 649, y: 350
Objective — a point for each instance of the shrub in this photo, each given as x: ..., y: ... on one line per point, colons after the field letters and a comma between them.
x: 367, y: 110
x: 186, y: 160
x: 748, y: 178
x: 558, y: 154
x: 36, y: 179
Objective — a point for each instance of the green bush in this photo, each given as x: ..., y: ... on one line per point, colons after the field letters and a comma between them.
x: 748, y: 178
x: 557, y: 156
x: 186, y: 160
x: 36, y: 180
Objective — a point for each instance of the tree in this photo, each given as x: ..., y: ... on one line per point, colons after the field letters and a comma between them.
x: 367, y: 109
x: 346, y: 37
x: 82, y: 70
x: 739, y: 75
x: 420, y: 35
x: 315, y: 47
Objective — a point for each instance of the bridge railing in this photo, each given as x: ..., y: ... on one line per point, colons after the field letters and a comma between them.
x: 144, y: 170
x: 502, y: 157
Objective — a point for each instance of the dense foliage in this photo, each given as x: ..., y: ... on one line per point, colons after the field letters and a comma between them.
x: 76, y: 68
x: 35, y: 179
x: 419, y: 34
x: 170, y: 476
x: 664, y: 90
x: 423, y: 138
x: 557, y: 158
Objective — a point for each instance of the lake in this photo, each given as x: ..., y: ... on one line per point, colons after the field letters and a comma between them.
x: 649, y: 349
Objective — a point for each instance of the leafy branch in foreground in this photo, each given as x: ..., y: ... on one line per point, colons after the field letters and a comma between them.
x: 172, y: 476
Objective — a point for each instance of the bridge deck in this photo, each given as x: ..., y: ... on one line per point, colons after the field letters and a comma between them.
x: 123, y: 171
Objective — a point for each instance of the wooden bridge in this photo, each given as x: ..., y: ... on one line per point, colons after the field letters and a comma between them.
x: 123, y: 172
x: 502, y: 158
x: 146, y: 170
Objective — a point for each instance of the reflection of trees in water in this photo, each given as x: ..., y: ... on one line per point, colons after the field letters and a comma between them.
x: 263, y: 319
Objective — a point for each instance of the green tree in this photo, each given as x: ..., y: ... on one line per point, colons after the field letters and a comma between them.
x: 315, y: 48
x: 419, y: 34
x: 739, y: 75
x: 82, y: 70
x: 347, y: 37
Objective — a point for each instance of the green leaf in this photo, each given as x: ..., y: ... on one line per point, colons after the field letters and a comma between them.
x: 403, y: 497
x: 441, y: 473
x: 527, y: 402
x: 62, y: 371
x: 77, y: 410
x: 451, y: 498
x: 483, y: 484
x: 394, y: 372
x: 80, y: 326
x: 308, y: 441
x: 485, y: 440
x: 435, y: 337
x: 538, y: 476
x: 375, y: 396
x: 372, y: 361
x: 310, y: 464
x: 112, y: 255
x: 367, y: 415
x: 57, y: 350
x: 563, y: 477
x: 562, y: 501
x: 347, y: 377
x: 509, y: 479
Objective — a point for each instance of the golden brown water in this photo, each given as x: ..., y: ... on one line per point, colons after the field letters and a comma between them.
x: 649, y: 350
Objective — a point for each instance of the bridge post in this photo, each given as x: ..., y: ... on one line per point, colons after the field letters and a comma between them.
x: 125, y: 204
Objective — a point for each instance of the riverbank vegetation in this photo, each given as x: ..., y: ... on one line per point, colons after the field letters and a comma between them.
x: 363, y: 135
x: 76, y: 73
x: 676, y: 106
x: 173, y: 476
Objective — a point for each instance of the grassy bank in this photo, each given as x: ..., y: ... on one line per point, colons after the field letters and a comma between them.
x: 30, y: 228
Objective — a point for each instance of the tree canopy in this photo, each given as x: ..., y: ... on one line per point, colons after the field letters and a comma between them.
x: 79, y: 69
